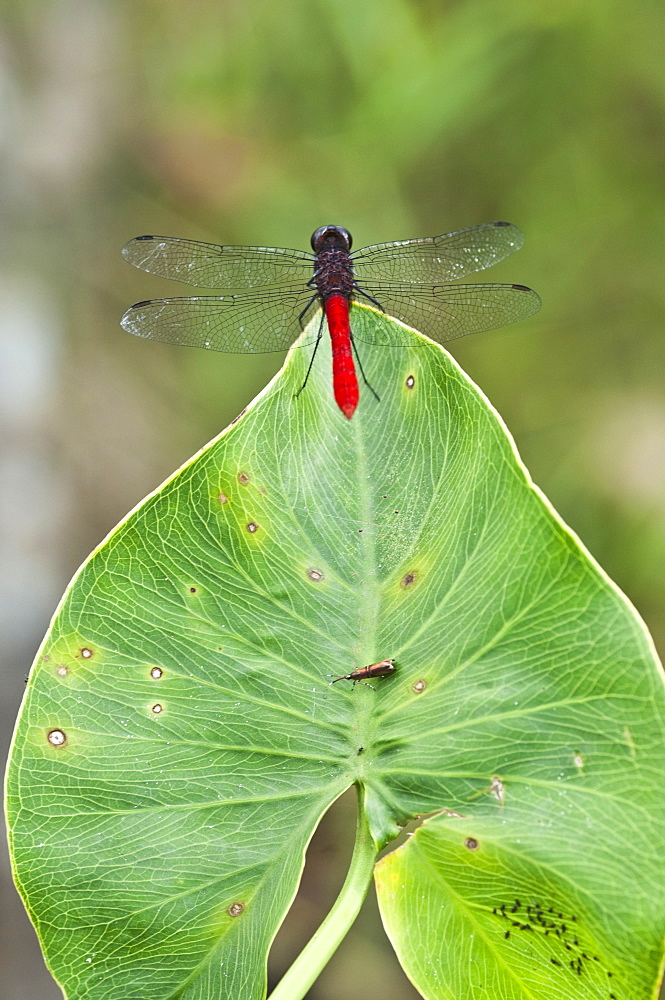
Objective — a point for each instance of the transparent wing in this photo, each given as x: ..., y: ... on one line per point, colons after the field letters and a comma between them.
x: 247, y: 323
x: 438, y: 258
x: 208, y: 265
x: 447, y: 312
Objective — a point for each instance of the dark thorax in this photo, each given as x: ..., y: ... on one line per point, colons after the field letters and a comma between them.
x: 333, y: 270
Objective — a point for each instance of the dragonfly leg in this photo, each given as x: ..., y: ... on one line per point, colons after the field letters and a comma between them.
x: 369, y: 297
x: 316, y: 346
x: 360, y: 366
x: 304, y: 312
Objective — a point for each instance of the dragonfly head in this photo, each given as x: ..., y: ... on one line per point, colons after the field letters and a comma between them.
x: 331, y: 236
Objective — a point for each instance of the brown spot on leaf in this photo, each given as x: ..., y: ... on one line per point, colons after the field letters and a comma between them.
x: 86, y: 653
x: 471, y: 844
x: 235, y: 909
x: 156, y: 673
x: 243, y: 478
x: 315, y: 574
x: 222, y: 497
x: 62, y: 670
x: 56, y: 738
x: 410, y: 381
x: 252, y: 527
x: 407, y: 580
x: 419, y: 686
x: 156, y: 709
x: 497, y: 789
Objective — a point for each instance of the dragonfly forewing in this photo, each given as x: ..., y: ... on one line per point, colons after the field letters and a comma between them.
x: 208, y: 265
x: 438, y: 258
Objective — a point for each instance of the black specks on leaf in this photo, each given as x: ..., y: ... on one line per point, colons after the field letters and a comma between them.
x: 550, y: 924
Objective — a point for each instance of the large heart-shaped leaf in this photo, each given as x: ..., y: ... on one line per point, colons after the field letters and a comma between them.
x: 180, y: 740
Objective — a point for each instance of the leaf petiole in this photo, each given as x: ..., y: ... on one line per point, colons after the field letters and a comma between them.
x: 325, y: 941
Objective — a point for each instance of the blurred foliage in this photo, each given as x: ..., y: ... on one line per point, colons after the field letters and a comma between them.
x: 256, y: 122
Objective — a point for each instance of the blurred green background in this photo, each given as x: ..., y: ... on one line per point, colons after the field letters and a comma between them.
x: 256, y: 122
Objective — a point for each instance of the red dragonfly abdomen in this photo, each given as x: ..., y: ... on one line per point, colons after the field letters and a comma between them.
x: 345, y: 382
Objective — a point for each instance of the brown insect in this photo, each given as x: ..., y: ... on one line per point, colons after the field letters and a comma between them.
x: 382, y: 669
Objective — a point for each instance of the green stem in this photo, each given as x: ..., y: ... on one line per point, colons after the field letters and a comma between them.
x: 321, y: 947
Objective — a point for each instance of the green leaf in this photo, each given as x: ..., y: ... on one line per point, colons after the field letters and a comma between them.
x: 158, y: 842
x: 528, y: 906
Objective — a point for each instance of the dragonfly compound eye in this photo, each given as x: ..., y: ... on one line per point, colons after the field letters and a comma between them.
x: 331, y: 236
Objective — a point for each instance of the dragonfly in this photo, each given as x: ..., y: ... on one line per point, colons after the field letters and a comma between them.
x: 269, y: 295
